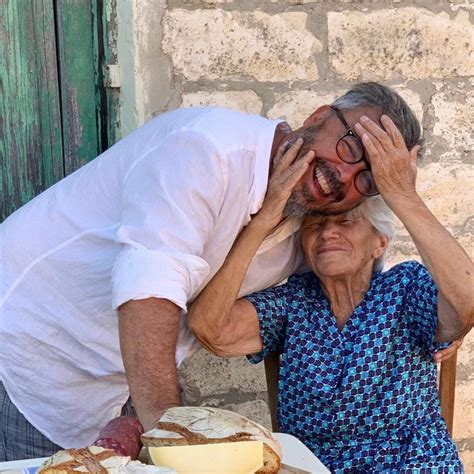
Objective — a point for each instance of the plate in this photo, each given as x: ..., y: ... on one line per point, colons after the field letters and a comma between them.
x: 295, y: 455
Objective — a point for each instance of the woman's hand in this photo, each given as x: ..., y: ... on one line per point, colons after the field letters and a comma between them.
x: 288, y: 169
x: 447, y: 353
x: 393, y: 165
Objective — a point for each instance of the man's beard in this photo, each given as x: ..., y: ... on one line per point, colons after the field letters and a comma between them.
x: 302, y: 204
x: 297, y: 206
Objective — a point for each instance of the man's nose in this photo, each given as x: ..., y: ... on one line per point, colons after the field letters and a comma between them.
x: 347, y: 171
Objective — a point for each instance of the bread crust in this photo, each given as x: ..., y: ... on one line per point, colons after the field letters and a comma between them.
x: 182, y: 426
x: 68, y: 461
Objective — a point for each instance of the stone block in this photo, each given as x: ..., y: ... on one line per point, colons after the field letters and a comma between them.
x: 206, y: 375
x: 453, y: 124
x: 256, y: 410
x: 413, y: 100
x: 408, y: 43
x: 296, y: 106
x: 232, y: 45
x: 467, y: 456
x: 465, y: 361
x: 463, y: 411
x: 447, y: 190
x: 245, y: 101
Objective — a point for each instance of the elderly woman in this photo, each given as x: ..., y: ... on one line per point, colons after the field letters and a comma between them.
x: 357, y: 383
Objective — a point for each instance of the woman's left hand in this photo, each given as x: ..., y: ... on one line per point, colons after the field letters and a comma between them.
x: 288, y: 169
x: 393, y: 165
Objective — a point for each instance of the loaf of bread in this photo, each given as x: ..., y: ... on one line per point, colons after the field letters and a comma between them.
x: 182, y: 426
x: 97, y: 460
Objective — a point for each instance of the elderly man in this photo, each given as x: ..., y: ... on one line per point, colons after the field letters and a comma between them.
x: 137, y: 233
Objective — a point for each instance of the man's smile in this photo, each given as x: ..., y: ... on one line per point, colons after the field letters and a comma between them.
x: 325, y: 182
x: 321, y: 182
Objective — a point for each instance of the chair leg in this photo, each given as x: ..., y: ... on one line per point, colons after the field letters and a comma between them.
x: 447, y: 386
x: 272, y: 369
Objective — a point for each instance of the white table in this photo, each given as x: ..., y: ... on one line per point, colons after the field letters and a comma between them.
x: 295, y: 454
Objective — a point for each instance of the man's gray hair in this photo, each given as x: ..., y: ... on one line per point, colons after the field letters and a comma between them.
x: 388, y: 102
x: 382, y: 220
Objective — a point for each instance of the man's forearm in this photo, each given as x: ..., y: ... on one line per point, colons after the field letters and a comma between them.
x: 148, y: 334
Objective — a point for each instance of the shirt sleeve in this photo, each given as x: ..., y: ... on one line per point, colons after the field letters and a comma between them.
x: 271, y: 306
x: 422, y: 307
x: 171, y: 201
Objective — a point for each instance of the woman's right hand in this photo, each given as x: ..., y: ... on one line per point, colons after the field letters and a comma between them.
x: 288, y: 169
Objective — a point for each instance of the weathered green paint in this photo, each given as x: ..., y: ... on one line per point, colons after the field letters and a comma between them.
x: 30, y: 122
x: 77, y: 40
x: 55, y: 114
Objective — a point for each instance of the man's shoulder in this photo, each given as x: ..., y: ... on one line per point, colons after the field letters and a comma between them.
x: 203, y: 117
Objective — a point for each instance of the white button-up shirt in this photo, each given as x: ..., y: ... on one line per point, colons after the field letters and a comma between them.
x: 154, y: 216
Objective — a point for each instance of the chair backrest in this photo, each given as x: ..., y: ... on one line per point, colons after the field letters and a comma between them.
x: 447, y: 385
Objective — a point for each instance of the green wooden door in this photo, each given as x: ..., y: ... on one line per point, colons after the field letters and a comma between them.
x: 55, y: 113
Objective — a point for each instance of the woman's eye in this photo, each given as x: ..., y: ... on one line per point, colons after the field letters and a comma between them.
x: 347, y: 221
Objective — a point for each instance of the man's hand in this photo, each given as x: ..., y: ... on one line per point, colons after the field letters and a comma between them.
x: 447, y: 353
x: 148, y: 333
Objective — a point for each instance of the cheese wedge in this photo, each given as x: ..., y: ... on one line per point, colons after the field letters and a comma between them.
x: 241, y: 457
x: 190, y: 426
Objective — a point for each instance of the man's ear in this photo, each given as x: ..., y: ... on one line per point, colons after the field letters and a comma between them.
x: 317, y: 115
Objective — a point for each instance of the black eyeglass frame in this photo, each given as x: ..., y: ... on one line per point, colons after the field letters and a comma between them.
x: 350, y: 133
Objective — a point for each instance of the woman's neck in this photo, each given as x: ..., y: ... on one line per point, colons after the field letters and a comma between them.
x: 345, y: 292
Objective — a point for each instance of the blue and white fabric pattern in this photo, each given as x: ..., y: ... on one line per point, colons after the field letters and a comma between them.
x: 363, y: 398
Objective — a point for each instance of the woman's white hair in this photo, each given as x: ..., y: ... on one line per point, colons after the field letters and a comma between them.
x: 382, y: 219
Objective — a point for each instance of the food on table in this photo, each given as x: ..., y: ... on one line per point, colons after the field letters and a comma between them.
x: 240, y: 457
x: 122, y: 434
x: 97, y: 460
x: 198, y: 426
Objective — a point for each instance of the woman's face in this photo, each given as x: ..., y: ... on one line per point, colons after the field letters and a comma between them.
x: 342, y: 245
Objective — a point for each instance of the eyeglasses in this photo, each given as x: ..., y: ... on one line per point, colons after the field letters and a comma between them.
x: 350, y: 150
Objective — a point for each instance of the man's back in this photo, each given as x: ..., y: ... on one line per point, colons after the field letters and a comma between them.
x: 153, y: 216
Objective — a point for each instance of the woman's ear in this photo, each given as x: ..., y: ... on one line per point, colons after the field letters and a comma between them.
x: 317, y: 115
x: 381, y: 247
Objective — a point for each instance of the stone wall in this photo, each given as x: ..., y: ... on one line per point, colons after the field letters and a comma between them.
x: 283, y: 59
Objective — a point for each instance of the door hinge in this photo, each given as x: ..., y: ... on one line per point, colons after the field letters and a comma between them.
x: 112, y: 76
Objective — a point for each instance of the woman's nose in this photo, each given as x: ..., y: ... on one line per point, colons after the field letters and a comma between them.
x: 329, y: 230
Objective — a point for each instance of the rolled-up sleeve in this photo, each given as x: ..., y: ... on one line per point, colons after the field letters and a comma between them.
x: 141, y: 273
x: 171, y: 202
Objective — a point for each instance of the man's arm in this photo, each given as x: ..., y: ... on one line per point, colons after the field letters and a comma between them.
x: 394, y: 169
x: 148, y: 333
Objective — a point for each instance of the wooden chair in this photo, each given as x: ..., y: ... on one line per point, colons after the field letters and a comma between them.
x: 447, y: 385
x: 272, y: 369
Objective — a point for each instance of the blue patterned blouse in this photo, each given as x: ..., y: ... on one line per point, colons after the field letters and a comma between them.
x: 363, y: 398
